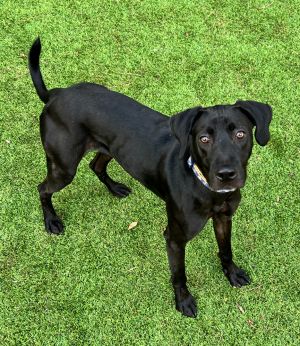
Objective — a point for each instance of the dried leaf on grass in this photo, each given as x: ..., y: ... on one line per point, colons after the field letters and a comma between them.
x: 240, y: 308
x: 132, y: 225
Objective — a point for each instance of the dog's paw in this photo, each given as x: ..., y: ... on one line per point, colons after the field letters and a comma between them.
x: 54, y: 225
x: 237, y: 276
x: 186, y: 303
x: 119, y: 190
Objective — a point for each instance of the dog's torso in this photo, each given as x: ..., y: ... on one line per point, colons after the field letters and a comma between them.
x: 141, y: 141
x: 115, y: 127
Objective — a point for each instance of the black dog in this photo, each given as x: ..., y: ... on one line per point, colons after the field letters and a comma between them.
x: 195, y: 161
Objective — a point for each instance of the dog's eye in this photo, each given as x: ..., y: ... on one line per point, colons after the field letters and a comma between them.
x: 240, y: 134
x: 204, y: 139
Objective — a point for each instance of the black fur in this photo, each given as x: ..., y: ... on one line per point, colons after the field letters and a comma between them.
x: 153, y: 148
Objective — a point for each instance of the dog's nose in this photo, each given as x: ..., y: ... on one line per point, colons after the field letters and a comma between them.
x: 226, y: 174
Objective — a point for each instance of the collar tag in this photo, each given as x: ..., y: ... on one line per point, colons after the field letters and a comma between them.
x: 198, y: 172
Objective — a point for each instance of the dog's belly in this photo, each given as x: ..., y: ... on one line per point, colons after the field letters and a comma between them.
x: 93, y: 145
x: 140, y: 156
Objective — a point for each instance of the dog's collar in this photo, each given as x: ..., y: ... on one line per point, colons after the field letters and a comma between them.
x: 198, y: 172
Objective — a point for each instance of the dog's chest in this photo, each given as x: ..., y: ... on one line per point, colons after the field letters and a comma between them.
x: 214, y: 207
x: 221, y: 208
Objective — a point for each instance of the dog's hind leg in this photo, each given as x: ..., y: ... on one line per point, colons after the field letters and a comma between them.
x: 57, y: 178
x: 98, y: 166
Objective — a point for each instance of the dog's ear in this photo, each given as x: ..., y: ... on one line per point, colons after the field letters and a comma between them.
x: 260, y: 115
x: 181, y: 126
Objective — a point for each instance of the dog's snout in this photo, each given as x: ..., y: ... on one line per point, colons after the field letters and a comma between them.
x: 226, y: 174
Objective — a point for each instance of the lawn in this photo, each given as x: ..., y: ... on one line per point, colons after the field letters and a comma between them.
x: 100, y: 283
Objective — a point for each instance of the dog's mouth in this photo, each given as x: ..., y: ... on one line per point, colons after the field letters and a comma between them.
x: 228, y: 186
x: 225, y: 190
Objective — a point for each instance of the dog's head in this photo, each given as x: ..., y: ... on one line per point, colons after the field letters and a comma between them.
x: 219, y: 139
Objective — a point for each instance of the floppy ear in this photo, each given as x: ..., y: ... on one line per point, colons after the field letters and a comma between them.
x: 181, y: 126
x: 261, y: 115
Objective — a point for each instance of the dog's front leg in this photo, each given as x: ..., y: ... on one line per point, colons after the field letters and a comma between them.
x: 222, y: 226
x: 185, y: 302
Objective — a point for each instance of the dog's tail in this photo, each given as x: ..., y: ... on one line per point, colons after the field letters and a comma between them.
x: 35, y: 72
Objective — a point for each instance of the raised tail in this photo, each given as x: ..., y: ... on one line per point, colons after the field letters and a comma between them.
x: 35, y: 72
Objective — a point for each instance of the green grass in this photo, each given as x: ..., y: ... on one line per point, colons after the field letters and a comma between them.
x: 100, y: 284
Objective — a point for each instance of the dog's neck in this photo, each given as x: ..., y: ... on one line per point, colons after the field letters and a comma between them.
x: 198, y: 173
